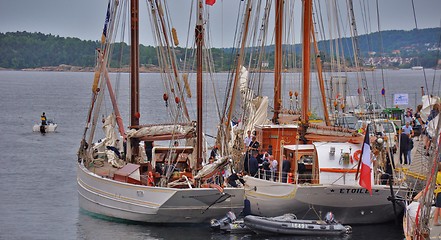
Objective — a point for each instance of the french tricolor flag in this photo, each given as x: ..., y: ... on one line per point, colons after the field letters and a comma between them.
x: 365, y: 172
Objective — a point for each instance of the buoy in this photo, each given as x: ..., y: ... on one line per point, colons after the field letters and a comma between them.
x: 175, y: 36
x: 357, y: 155
x: 290, y: 177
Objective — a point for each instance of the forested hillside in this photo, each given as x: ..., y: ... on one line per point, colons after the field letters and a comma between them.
x: 20, y: 50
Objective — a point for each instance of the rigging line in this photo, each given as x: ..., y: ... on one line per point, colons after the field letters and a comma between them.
x: 429, y: 91
x: 381, y: 51
x: 252, y: 38
x: 326, y: 50
x: 233, y: 59
x: 188, y: 37
x: 438, y: 58
x: 436, y: 64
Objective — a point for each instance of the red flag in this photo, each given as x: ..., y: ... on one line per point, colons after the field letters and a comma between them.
x: 210, y: 2
x: 365, y: 172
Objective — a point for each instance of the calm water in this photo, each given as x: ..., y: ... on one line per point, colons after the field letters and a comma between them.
x: 38, y: 197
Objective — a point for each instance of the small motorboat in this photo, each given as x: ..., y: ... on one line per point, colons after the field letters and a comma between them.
x: 229, y: 224
x: 288, y: 224
x: 50, y: 126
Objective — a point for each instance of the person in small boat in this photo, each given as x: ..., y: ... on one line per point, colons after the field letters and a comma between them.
x: 43, y: 119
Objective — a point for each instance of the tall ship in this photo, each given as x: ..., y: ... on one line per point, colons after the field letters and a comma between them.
x: 156, y: 172
x: 324, y: 159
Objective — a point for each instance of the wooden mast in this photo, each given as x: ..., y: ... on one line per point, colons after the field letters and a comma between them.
x: 199, y: 34
x: 307, y: 17
x: 238, y: 66
x: 134, y: 73
x: 278, y: 61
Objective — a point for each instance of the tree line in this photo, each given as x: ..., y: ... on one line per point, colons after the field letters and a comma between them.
x: 20, y: 50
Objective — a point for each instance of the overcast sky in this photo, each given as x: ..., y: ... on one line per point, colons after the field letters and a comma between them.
x: 84, y: 18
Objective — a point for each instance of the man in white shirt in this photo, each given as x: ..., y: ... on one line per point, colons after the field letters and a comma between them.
x: 247, y: 140
x: 407, y: 129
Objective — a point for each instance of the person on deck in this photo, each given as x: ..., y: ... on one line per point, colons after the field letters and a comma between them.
x: 148, y: 146
x: 231, y: 180
x: 407, y: 129
x: 247, y: 140
x: 266, y: 167
x: 428, y: 139
x: 214, y: 153
x: 437, y: 192
x: 43, y: 119
x: 253, y: 165
x: 254, y: 146
x: 419, y: 123
x: 408, y: 117
x: 404, y: 147
x: 273, y: 167
x: 286, y: 168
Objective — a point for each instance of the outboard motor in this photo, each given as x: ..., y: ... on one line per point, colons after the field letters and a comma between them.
x: 216, y: 224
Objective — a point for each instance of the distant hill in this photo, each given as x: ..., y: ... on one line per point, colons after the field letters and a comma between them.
x: 21, y: 50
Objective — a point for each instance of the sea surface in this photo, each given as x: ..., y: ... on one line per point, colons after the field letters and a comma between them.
x: 38, y: 192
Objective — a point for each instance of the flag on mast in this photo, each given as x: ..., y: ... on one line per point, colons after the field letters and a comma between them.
x: 106, y: 22
x: 365, y: 172
x: 210, y: 2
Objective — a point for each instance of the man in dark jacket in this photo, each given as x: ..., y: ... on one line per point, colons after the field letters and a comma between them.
x: 253, y: 164
x: 404, y: 147
x: 286, y: 168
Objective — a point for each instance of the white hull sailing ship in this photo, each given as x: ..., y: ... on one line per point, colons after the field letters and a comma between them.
x: 116, y: 178
x: 323, y: 159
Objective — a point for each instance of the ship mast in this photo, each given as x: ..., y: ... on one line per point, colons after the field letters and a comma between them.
x: 307, y: 17
x: 278, y: 60
x: 199, y: 34
x: 134, y: 74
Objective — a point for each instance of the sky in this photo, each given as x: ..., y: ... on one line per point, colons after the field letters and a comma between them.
x: 84, y: 19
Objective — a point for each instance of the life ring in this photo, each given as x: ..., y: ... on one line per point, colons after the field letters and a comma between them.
x: 356, y: 155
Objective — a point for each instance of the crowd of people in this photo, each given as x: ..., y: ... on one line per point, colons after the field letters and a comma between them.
x: 414, y: 123
x: 261, y: 162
